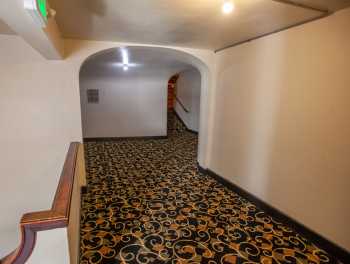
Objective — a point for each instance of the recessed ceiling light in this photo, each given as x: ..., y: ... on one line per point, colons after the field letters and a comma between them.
x: 227, y: 7
x: 125, y: 58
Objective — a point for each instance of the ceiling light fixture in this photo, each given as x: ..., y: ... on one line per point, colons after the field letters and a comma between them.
x: 227, y: 6
x: 125, y: 58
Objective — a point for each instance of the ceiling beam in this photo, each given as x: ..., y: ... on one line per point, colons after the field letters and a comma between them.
x: 324, y: 13
x: 301, y: 5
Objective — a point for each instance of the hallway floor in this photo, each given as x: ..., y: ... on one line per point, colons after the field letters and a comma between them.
x: 148, y: 203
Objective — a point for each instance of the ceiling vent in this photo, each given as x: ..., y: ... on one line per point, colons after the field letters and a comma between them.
x: 93, y: 96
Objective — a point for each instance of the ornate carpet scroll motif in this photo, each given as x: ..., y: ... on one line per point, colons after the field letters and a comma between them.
x: 148, y: 203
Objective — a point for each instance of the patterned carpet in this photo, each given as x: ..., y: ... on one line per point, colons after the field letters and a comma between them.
x: 148, y: 203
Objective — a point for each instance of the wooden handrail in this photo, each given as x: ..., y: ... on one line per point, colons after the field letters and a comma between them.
x: 57, y: 217
x: 182, y: 105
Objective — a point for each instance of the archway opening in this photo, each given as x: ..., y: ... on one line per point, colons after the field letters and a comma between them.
x: 123, y: 92
x: 184, y: 91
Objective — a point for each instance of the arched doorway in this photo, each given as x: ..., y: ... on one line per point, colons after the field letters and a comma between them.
x: 175, y: 57
x: 184, y: 92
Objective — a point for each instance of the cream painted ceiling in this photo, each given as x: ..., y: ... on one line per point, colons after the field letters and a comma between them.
x: 187, y: 23
x: 190, y: 23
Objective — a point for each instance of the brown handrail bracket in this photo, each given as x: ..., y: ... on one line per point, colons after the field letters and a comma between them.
x: 57, y: 217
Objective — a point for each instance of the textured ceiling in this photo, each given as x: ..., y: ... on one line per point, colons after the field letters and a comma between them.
x: 5, y: 29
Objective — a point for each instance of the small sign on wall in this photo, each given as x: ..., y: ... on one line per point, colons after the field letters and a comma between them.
x: 93, y: 96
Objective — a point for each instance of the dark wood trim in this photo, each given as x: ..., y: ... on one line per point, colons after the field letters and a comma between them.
x: 323, y: 15
x: 104, y: 139
x: 57, y: 217
x: 183, y: 123
x: 191, y: 131
x: 336, y: 251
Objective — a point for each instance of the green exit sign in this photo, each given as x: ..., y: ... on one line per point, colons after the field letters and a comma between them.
x: 38, y: 9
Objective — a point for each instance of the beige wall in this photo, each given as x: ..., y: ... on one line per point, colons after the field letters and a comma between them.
x: 282, y: 122
x: 51, y: 247
x: 39, y: 117
x: 188, y: 91
x: 128, y: 107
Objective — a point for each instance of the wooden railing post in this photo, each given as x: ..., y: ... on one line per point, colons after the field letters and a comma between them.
x: 57, y: 217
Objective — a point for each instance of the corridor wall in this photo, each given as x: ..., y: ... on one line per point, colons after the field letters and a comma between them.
x: 39, y: 116
x: 128, y: 106
x: 282, y: 127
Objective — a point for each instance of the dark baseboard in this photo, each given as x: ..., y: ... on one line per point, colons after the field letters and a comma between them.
x: 100, y: 139
x: 336, y: 251
x: 183, y: 123
x: 201, y: 169
x: 192, y: 131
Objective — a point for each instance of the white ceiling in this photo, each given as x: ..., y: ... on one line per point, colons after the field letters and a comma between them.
x: 190, y: 23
